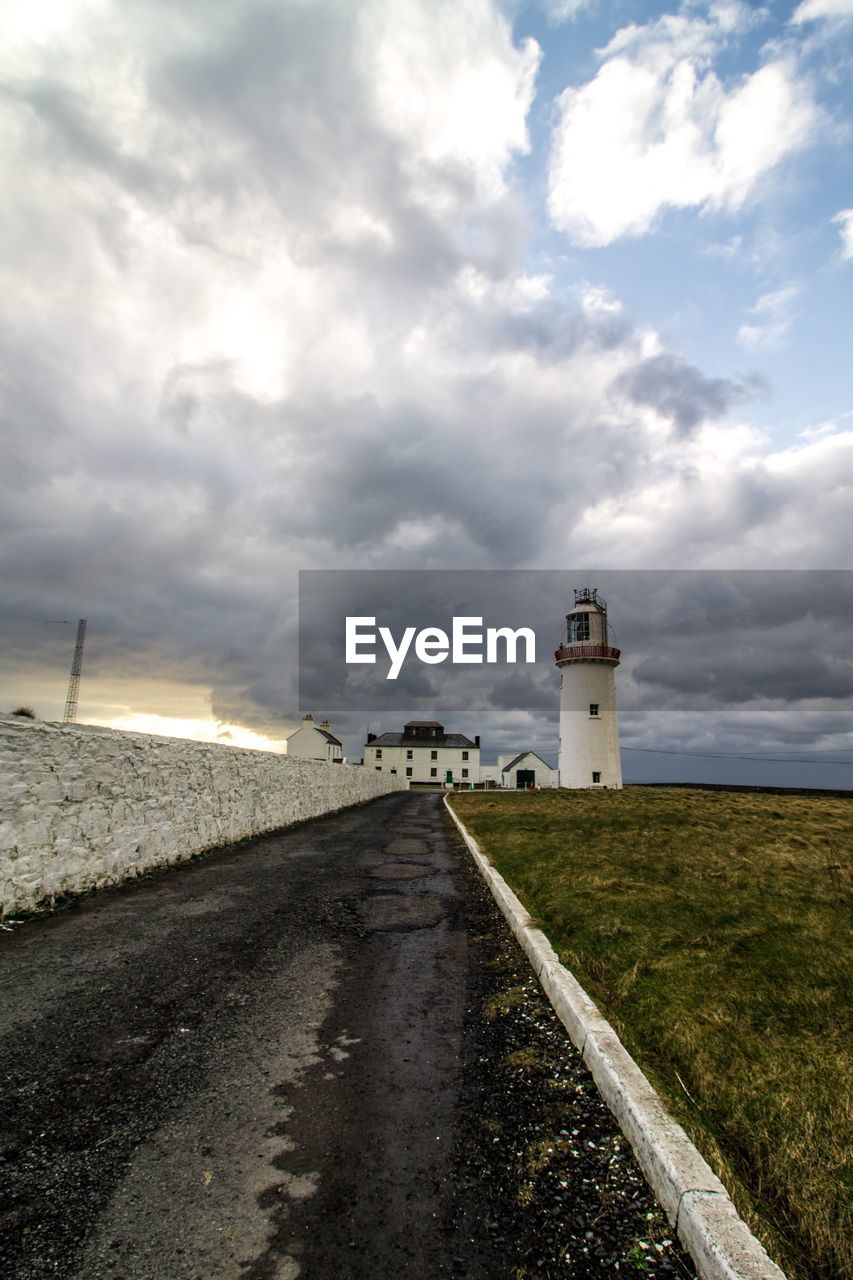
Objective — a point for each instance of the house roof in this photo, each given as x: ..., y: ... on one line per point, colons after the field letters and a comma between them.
x: 330, y: 737
x: 423, y: 724
x: 410, y: 740
x: 523, y: 756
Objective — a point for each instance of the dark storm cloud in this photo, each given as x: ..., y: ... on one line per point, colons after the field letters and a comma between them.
x: 280, y: 83
x: 750, y: 672
x: 401, y: 465
x: 702, y: 604
x: 683, y: 393
x: 521, y: 693
x: 419, y: 599
x: 552, y: 328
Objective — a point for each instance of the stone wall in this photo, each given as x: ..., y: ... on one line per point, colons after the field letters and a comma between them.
x: 82, y: 807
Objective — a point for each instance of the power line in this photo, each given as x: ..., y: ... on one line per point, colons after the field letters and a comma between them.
x: 814, y: 751
x: 728, y: 755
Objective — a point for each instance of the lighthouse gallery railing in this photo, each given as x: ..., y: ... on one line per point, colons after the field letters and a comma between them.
x: 588, y: 652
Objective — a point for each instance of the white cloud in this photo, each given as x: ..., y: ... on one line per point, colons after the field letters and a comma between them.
x: 735, y: 15
x: 729, y: 502
x: 845, y: 225
x: 449, y: 83
x: 772, y: 319
x: 559, y: 11
x: 728, y: 250
x: 814, y: 10
x: 656, y: 128
x: 830, y: 428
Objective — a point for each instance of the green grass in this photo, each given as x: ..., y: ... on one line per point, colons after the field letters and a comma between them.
x: 713, y: 930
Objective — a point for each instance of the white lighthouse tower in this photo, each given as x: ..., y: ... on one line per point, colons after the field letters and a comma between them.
x: 589, y: 730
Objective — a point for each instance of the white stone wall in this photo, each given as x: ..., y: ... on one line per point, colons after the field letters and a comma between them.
x: 82, y: 807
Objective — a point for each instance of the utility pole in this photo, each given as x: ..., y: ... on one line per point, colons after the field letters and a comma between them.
x: 74, y: 682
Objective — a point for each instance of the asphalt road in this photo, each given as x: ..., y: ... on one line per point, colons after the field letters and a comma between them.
x: 317, y: 1054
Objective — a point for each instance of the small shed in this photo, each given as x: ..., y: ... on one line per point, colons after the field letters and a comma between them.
x: 527, y: 770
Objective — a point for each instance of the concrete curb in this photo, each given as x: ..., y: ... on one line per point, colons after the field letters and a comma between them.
x: 690, y: 1193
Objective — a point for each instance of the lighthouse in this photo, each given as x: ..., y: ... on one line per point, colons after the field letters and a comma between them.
x: 589, y: 730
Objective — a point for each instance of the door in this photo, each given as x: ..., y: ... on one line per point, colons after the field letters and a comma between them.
x: 525, y: 778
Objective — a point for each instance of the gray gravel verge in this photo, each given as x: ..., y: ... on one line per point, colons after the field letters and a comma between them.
x: 691, y: 1195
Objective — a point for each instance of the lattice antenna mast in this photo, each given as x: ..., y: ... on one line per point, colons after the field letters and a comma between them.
x: 74, y: 682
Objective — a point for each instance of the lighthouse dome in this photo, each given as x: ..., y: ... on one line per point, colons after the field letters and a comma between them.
x: 587, y: 622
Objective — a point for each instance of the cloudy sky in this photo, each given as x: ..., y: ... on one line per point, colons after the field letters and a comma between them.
x: 406, y: 283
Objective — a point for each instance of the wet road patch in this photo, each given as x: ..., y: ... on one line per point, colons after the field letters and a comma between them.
x: 407, y: 844
x: 403, y: 870
x: 392, y: 912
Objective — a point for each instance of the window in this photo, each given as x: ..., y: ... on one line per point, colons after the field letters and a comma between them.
x: 596, y: 777
x: 410, y: 755
x: 378, y: 768
x: 578, y: 628
x: 378, y: 753
x: 409, y: 772
x: 464, y: 755
x: 433, y: 773
x: 433, y: 755
x: 593, y: 708
x: 464, y: 773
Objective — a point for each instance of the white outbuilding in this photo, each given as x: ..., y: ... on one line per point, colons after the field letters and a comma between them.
x: 526, y: 770
x: 315, y: 742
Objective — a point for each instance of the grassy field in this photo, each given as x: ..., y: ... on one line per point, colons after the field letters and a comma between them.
x: 713, y: 930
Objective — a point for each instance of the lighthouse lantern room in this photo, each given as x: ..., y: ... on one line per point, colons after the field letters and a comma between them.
x: 589, y: 730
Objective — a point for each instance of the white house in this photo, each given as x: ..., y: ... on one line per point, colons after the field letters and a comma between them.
x: 313, y: 742
x: 424, y: 754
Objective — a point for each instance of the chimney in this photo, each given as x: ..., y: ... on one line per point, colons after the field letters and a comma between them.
x: 477, y: 740
x: 371, y: 737
x: 308, y: 719
x: 326, y: 726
